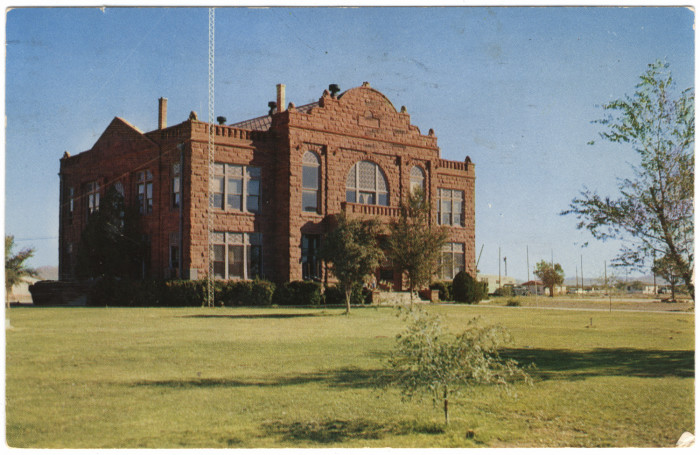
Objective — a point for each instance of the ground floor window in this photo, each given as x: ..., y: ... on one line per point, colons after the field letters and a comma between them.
x: 237, y: 255
x: 310, y: 263
x: 174, y: 254
x: 451, y: 260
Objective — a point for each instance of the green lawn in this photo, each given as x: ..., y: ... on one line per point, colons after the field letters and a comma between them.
x: 242, y: 377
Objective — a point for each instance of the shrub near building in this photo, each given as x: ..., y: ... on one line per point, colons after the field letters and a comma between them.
x: 466, y: 289
x: 178, y: 293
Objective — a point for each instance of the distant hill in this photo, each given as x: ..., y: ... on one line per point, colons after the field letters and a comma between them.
x: 648, y: 279
x: 48, y: 272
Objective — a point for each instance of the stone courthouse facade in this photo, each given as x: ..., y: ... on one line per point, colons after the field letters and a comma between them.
x: 276, y: 181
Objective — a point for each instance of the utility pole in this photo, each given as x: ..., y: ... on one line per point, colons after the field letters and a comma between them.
x: 499, y: 267
x: 607, y: 289
x: 527, y: 258
x: 653, y: 271
x: 581, y: 275
x: 505, y: 264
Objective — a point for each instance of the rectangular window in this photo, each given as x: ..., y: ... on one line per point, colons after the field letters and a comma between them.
x: 310, y: 263
x: 235, y: 187
x: 237, y: 255
x: 254, y: 255
x: 93, y: 197
x: 451, y: 260
x: 450, y: 203
x: 176, y: 192
x: 144, y: 190
x: 310, y: 184
x: 253, y: 189
x: 174, y: 243
x: 71, y: 201
x: 220, y: 261
x: 174, y: 256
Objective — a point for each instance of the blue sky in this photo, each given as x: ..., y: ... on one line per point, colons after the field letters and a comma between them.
x: 516, y: 89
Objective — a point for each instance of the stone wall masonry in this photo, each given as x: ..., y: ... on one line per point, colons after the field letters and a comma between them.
x: 341, y: 133
x: 116, y: 157
x: 361, y: 124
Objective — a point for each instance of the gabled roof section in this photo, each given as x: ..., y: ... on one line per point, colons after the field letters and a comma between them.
x: 122, y: 133
x: 263, y: 123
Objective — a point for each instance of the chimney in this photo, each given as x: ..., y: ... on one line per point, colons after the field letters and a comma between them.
x: 280, y: 98
x: 162, y: 113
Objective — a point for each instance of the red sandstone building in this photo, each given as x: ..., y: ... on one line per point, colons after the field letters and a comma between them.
x: 275, y: 181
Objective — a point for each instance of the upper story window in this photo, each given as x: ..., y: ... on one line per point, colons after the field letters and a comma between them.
x: 311, y: 182
x: 366, y: 184
x: 450, y: 204
x: 144, y: 191
x: 71, y: 203
x: 417, y: 179
x: 175, y: 187
x: 92, y: 191
x: 235, y: 187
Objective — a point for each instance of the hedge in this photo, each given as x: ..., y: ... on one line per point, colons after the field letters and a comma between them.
x: 178, y: 293
x: 298, y: 293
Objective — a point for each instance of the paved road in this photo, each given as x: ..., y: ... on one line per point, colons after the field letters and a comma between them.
x: 606, y: 310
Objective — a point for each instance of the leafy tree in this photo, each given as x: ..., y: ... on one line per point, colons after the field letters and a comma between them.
x: 15, y: 269
x: 551, y: 275
x: 111, y: 244
x: 655, y: 207
x: 352, y: 251
x: 667, y: 269
x: 415, y: 245
x: 427, y: 360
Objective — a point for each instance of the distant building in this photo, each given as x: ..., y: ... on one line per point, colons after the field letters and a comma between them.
x: 534, y: 287
x: 493, y: 281
x: 275, y: 185
x: 537, y: 287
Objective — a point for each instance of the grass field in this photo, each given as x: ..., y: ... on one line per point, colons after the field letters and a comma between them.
x: 242, y: 377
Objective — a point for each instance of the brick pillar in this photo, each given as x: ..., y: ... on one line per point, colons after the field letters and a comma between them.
x: 280, y: 98
x: 162, y: 113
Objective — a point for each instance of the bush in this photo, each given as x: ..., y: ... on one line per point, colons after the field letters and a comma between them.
x: 298, y: 293
x: 444, y: 288
x: 513, y: 302
x: 261, y: 292
x: 181, y: 293
x: 110, y: 291
x: 504, y: 291
x: 245, y: 293
x: 466, y: 289
x: 360, y: 295
x: 333, y: 296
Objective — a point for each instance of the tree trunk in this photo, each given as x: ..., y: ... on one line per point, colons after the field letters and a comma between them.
x: 673, y: 291
x: 347, y: 301
x: 447, y: 420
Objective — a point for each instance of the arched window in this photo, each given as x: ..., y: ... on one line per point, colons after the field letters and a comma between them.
x: 311, y: 182
x: 417, y: 179
x: 366, y: 184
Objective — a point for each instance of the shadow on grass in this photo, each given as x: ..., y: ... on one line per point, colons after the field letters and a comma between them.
x: 342, y: 378
x: 257, y: 316
x: 643, y: 363
x: 335, y: 431
x: 549, y: 364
